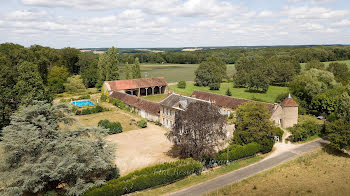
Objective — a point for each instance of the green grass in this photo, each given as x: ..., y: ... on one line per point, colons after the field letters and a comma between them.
x: 196, y: 179
x: 155, y: 98
x: 327, y: 63
x: 269, y: 96
x: 174, y: 72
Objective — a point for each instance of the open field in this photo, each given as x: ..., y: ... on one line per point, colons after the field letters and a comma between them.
x: 141, y: 148
x: 174, y: 72
x: 270, y: 96
x: 316, y: 173
x: 327, y: 63
x: 196, y: 179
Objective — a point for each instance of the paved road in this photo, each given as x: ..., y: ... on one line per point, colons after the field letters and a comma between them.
x: 248, y: 171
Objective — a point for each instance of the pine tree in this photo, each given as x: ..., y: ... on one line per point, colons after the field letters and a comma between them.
x: 112, y: 65
x: 102, y: 61
x: 228, y: 92
x: 127, y: 71
x: 38, y: 156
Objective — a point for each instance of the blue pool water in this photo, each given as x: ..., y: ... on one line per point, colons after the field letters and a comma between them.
x: 82, y: 103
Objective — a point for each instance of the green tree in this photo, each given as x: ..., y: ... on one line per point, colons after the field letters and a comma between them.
x: 340, y: 72
x: 128, y: 71
x: 74, y: 84
x: 38, y: 156
x: 228, y: 92
x: 112, y: 65
x: 29, y: 84
x: 343, y: 109
x: 328, y: 101
x: 56, y: 79
x: 254, y: 125
x: 136, y: 71
x: 213, y: 70
x: 315, y: 64
x: 102, y: 62
x: 181, y: 84
x: 70, y: 58
x: 338, y: 133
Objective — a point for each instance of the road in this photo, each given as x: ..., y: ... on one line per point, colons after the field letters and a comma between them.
x: 248, y: 171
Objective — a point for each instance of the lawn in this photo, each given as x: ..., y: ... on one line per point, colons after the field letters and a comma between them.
x: 316, y: 173
x: 269, y: 96
x: 113, y: 116
x: 196, y: 179
x: 174, y: 72
x: 155, y: 98
x: 327, y: 63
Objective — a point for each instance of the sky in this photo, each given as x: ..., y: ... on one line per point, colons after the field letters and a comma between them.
x: 174, y: 23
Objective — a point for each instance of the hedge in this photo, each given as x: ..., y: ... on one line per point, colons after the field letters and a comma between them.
x: 118, y: 103
x: 113, y: 127
x: 237, y: 152
x: 92, y: 110
x: 304, y: 130
x: 214, y: 86
x: 148, y: 177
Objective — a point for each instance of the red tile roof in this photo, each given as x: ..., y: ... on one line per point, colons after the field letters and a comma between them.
x: 149, y: 106
x: 226, y: 101
x: 136, y: 83
x: 289, y: 102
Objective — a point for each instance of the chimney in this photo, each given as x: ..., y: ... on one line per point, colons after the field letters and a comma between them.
x: 289, y: 96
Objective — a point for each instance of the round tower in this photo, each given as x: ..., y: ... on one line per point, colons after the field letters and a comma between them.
x: 289, y: 112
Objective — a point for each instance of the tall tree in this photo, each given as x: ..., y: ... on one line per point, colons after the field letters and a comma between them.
x: 314, y: 64
x: 38, y: 156
x: 136, y: 71
x: 128, y: 71
x: 56, y: 79
x: 29, y: 85
x: 112, y: 65
x: 254, y: 125
x: 210, y: 71
x: 197, y: 131
x: 70, y: 58
x: 102, y: 65
x: 340, y: 72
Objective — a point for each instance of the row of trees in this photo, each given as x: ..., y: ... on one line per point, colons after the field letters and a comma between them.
x: 231, y: 55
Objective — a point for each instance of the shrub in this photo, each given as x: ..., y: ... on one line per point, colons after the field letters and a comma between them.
x: 103, y: 97
x: 278, y: 132
x: 214, y: 86
x: 266, y: 144
x: 148, y: 177
x: 158, y: 123
x: 228, y: 92
x: 64, y: 100
x: 304, y: 130
x: 142, y: 123
x: 118, y: 103
x: 92, y: 110
x: 181, y: 84
x: 113, y: 127
x: 237, y: 152
x: 83, y: 97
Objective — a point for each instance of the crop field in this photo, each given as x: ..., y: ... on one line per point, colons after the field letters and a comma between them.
x: 269, y: 96
x: 316, y: 173
x: 174, y: 72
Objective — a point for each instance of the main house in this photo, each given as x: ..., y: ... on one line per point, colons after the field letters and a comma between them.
x: 138, y: 87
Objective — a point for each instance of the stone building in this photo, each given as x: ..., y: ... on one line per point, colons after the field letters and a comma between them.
x: 284, y: 115
x: 171, y: 104
x: 138, y: 87
x: 146, y: 109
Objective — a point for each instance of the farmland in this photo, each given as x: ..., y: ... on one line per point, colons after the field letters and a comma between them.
x: 316, y: 173
x: 174, y: 72
x: 269, y: 96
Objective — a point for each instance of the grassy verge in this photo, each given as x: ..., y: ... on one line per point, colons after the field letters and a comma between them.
x: 194, y: 179
x: 155, y: 98
x: 269, y: 96
x: 88, y: 91
x: 316, y: 173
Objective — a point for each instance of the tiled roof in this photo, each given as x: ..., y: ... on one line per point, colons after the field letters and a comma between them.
x: 176, y: 100
x: 149, y: 106
x: 289, y: 102
x: 226, y: 101
x: 136, y: 83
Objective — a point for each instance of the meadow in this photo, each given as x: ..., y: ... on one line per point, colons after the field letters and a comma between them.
x: 316, y: 173
x: 174, y: 72
x: 347, y: 62
x: 269, y: 96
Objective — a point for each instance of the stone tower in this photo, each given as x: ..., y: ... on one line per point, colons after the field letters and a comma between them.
x: 289, y: 112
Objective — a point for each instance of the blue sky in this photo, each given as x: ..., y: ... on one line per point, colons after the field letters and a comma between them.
x: 174, y: 23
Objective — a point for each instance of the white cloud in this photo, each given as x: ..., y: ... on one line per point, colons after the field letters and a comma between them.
x: 26, y: 15
x: 306, y: 12
x: 342, y: 23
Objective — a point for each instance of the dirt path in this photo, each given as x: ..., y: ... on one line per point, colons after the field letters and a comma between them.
x: 140, y: 148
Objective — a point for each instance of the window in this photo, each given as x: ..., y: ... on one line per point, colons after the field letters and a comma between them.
x: 163, y: 110
x: 163, y: 121
x: 170, y: 112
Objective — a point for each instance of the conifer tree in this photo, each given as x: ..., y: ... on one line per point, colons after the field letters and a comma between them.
x: 112, y: 65
x: 137, y: 69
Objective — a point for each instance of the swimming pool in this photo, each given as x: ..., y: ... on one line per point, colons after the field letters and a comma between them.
x: 82, y: 103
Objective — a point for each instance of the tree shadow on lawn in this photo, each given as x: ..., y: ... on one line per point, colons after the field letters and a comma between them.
x: 330, y: 150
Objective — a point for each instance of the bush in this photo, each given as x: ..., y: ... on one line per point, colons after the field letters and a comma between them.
x: 103, y: 97
x: 237, y: 152
x: 266, y: 144
x: 113, y: 127
x: 148, y: 177
x: 181, y: 84
x: 142, y: 123
x: 118, y: 103
x: 228, y: 92
x: 83, y: 97
x: 304, y: 130
x: 278, y: 132
x: 214, y: 86
x: 158, y: 123
x: 92, y: 110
